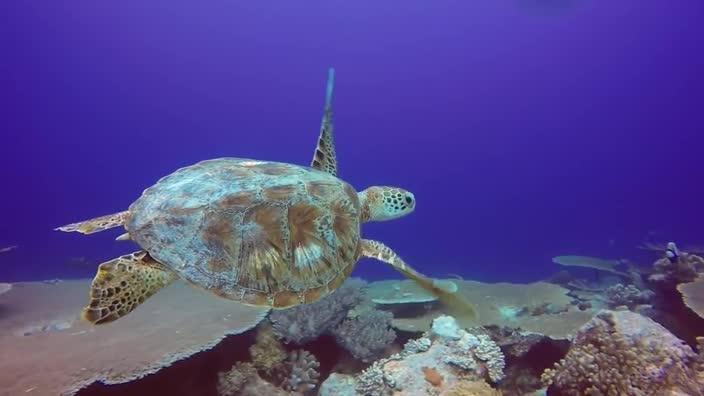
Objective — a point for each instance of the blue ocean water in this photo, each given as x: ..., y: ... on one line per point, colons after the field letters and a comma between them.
x: 526, y: 129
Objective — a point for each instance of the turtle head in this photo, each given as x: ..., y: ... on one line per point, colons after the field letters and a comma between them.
x: 380, y: 203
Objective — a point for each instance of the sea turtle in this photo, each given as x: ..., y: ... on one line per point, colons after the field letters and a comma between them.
x: 258, y: 232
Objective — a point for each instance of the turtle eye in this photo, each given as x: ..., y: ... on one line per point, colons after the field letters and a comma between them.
x: 409, y: 200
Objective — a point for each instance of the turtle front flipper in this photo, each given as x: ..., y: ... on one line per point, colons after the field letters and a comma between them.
x: 458, y: 306
x: 122, y: 284
x: 325, y: 158
x: 97, y: 224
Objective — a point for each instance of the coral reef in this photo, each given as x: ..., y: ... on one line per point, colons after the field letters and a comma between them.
x: 297, y: 374
x: 624, y: 353
x: 173, y: 325
x: 538, y: 307
x: 693, y: 295
x: 670, y: 272
x: 527, y: 355
x: 406, y: 298
x: 347, y: 314
x: 521, y: 380
x: 307, y: 322
x: 432, y: 376
x: 472, y: 388
x: 267, y: 353
x: 371, y: 382
x: 301, y: 372
x: 231, y: 383
x: 5, y: 287
x: 513, y: 342
x: 629, y: 296
x: 366, y: 336
x: 662, y: 247
x: 523, y: 331
x: 405, y: 291
x: 256, y: 386
x: 431, y: 364
x: 338, y: 385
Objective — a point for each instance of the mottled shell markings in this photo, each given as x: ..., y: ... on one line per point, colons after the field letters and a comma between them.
x: 277, y: 234
x: 264, y: 257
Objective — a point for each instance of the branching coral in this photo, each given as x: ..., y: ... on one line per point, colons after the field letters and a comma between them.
x: 490, y: 354
x: 366, y: 336
x: 417, y: 345
x: 468, y: 350
x: 630, y: 296
x: 298, y: 373
x: 309, y: 321
x: 622, y: 353
x: 231, y: 383
x: 371, y: 382
x: 473, y: 351
x: 302, y: 372
x: 452, y: 353
x: 267, y: 353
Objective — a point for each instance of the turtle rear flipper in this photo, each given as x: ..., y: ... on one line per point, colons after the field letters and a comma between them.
x: 97, y: 224
x: 325, y: 158
x: 122, y: 284
x: 458, y: 306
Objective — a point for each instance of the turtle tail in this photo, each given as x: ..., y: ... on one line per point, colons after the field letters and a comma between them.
x: 97, y: 224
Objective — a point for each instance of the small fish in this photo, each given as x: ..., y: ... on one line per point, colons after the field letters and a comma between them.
x: 672, y: 253
x: 9, y: 248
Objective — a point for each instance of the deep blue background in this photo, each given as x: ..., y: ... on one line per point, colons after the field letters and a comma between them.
x: 525, y: 130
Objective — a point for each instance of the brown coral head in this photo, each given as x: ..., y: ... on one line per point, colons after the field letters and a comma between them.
x: 267, y: 352
x: 432, y: 376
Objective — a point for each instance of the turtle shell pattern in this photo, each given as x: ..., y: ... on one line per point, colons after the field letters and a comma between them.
x: 263, y: 233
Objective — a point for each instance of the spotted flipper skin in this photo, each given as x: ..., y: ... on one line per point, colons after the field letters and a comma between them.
x: 325, y: 158
x: 459, y: 306
x: 97, y: 224
x: 122, y: 284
